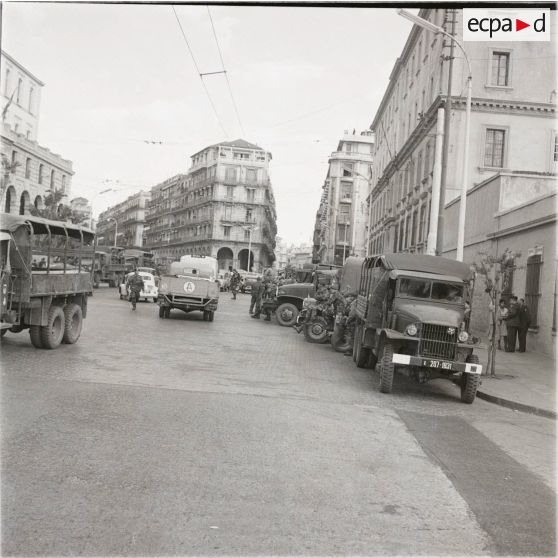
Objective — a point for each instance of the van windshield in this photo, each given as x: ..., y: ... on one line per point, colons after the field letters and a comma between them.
x: 433, y: 290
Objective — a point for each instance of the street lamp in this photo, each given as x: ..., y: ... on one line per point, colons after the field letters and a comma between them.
x: 97, y: 194
x: 463, y: 203
x: 115, y: 228
x: 250, y: 229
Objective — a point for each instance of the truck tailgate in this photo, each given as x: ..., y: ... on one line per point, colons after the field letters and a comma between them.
x: 188, y: 286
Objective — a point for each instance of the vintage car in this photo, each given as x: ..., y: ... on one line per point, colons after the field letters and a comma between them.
x: 248, y: 279
x: 412, y: 314
x: 190, y: 285
x: 150, y: 289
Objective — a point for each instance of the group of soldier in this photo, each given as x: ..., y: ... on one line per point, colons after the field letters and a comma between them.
x: 263, y: 293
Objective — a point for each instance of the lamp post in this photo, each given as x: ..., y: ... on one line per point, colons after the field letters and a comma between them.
x: 464, y: 175
x: 250, y: 229
x: 115, y: 228
x: 97, y: 194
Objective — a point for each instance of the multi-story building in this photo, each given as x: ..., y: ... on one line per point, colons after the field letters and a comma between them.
x: 512, y: 141
x: 342, y: 217
x: 82, y: 209
x: 126, y: 221
x: 223, y: 207
x: 21, y: 93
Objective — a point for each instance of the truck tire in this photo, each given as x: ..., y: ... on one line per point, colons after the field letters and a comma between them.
x: 470, y: 382
x: 167, y: 312
x: 286, y: 314
x: 53, y: 332
x: 205, y: 315
x: 316, y: 331
x: 162, y: 312
x: 386, y: 368
x: 73, y: 323
x: 35, y: 335
x: 211, y: 315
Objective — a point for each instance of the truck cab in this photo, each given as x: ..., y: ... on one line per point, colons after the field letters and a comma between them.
x: 413, y: 313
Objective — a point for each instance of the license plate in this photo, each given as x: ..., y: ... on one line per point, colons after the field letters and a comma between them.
x: 434, y: 363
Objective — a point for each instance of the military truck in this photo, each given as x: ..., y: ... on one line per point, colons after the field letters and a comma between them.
x: 412, y: 312
x: 109, y: 267
x: 45, y: 278
x: 190, y: 285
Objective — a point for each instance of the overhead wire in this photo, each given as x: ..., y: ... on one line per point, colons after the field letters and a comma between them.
x: 225, y: 71
x: 199, y: 73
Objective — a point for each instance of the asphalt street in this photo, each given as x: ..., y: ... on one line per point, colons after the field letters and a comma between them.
x: 183, y: 437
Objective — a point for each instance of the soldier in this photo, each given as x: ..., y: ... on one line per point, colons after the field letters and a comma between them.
x: 135, y: 286
x: 268, y: 293
x: 235, y: 283
x: 256, y: 299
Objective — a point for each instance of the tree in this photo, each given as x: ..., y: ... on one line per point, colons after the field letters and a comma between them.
x: 496, y: 272
x: 55, y: 210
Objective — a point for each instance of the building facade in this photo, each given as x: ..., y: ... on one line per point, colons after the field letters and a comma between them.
x: 125, y: 221
x: 342, y: 217
x: 223, y: 207
x: 30, y: 172
x: 512, y: 125
x: 82, y: 209
x: 21, y: 94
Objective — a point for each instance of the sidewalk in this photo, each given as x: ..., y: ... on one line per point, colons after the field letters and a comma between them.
x: 523, y: 381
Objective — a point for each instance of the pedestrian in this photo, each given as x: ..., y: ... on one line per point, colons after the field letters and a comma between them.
x: 524, y: 324
x: 512, y: 324
x: 256, y: 298
x: 235, y: 283
x: 502, y: 330
x: 135, y: 286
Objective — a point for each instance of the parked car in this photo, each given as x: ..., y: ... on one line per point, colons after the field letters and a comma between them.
x: 150, y: 289
x: 248, y: 279
x: 223, y: 278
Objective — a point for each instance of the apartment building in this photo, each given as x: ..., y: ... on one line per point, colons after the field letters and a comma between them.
x: 342, y: 218
x: 223, y: 207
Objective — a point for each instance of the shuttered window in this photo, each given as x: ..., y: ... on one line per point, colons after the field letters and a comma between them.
x: 532, y: 286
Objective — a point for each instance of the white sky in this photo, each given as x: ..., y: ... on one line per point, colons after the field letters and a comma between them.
x: 117, y: 75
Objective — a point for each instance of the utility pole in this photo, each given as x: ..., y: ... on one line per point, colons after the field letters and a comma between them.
x: 434, y: 232
x: 445, y: 153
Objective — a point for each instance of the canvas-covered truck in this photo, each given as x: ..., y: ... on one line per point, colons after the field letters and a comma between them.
x: 109, y: 266
x: 190, y: 285
x: 45, y: 278
x: 412, y: 314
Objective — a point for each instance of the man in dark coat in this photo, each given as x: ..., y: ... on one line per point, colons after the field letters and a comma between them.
x: 235, y: 283
x: 512, y: 324
x: 524, y: 323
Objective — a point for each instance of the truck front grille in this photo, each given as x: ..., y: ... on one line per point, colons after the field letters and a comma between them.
x: 436, y: 342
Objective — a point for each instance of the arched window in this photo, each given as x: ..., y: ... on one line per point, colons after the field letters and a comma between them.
x: 27, y: 167
x: 41, y: 170
x: 52, y: 179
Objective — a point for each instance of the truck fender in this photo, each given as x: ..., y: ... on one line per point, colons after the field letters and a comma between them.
x: 37, y: 313
x: 292, y: 299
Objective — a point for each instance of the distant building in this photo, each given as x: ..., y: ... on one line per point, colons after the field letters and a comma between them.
x: 127, y: 220
x: 281, y: 253
x: 29, y: 171
x: 299, y: 256
x: 342, y: 217
x: 222, y: 207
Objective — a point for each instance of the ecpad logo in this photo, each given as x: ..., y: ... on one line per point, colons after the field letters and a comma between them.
x: 506, y: 25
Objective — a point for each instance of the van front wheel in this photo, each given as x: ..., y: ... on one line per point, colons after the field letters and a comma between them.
x: 386, y: 368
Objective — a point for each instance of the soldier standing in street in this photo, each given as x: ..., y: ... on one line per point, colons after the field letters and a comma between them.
x: 256, y: 298
x: 135, y: 286
x: 235, y: 283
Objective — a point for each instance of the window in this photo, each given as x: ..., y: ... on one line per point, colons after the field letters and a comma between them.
x: 343, y: 233
x: 422, y: 222
x: 52, y: 179
x: 227, y: 231
x: 494, y: 148
x: 230, y: 192
x: 408, y: 231
x: 63, y: 183
x: 532, y: 285
x: 346, y: 190
x: 250, y: 194
x: 419, y: 168
x: 251, y: 175
x: 348, y: 148
x: 27, y: 167
x: 19, y: 88
x: 414, y: 228
x: 427, y: 161
x: 348, y: 169
x: 344, y: 213
x: 31, y: 95
x: 500, y: 68
x: 230, y: 174
x: 247, y: 235
x: 248, y: 215
x: 401, y: 234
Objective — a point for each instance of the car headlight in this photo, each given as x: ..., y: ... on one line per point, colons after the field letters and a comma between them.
x: 463, y: 336
x: 411, y: 329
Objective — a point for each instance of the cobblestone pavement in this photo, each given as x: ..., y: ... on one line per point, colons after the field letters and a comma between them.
x: 180, y: 436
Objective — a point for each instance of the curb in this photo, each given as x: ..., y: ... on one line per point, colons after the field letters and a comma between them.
x: 517, y: 406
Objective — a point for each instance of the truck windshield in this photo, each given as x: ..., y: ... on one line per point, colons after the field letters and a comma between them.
x: 434, y: 290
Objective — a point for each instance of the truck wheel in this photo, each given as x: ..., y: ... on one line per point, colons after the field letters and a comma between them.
x: 470, y: 382
x: 386, y: 368
x: 73, y: 322
x: 205, y: 315
x: 35, y: 335
x: 53, y: 332
x: 161, y: 311
x: 316, y: 332
x: 96, y: 280
x: 167, y: 312
x: 211, y: 315
x: 286, y: 314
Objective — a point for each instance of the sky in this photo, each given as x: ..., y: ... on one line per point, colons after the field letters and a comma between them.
x: 118, y: 76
